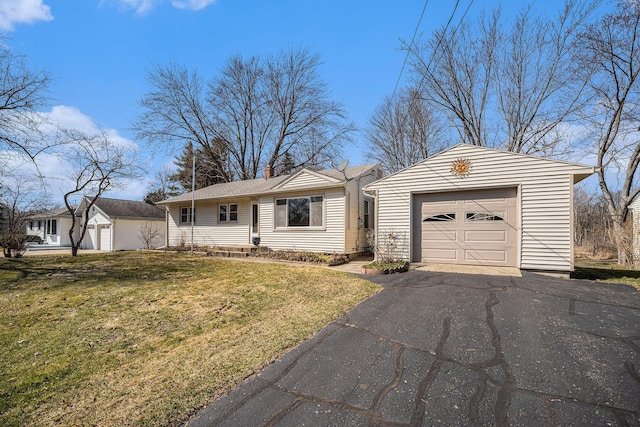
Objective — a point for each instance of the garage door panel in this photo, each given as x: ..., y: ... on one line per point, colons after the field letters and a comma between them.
x: 479, y: 227
x: 485, y: 236
x: 441, y: 255
x: 487, y: 255
x: 440, y: 235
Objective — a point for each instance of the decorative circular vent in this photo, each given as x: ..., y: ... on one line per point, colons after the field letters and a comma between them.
x: 461, y: 167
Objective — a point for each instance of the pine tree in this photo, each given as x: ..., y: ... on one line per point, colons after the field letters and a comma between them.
x: 206, y: 170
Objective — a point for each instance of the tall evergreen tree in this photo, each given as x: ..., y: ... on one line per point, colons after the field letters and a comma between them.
x: 206, y: 168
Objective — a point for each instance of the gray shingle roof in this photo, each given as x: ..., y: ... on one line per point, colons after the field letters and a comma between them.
x: 116, y: 208
x: 253, y: 187
x: 52, y: 213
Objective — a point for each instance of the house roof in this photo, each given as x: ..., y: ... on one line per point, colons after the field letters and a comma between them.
x: 253, y: 187
x: 117, y: 208
x: 54, y: 213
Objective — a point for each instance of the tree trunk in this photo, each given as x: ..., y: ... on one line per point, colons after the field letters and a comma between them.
x: 74, y: 250
x: 622, y: 242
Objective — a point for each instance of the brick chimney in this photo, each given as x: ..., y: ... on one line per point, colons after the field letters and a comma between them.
x: 268, y: 172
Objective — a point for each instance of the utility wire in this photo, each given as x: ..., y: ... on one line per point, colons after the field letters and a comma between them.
x: 404, y: 63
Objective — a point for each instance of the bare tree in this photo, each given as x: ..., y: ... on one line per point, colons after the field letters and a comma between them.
x: 163, y: 186
x: 611, y: 49
x: 256, y: 111
x: 456, y: 66
x: 150, y: 234
x: 538, y: 85
x: 22, y: 91
x: 19, y: 199
x: 176, y: 114
x: 98, y: 165
x: 404, y: 131
x: 507, y: 87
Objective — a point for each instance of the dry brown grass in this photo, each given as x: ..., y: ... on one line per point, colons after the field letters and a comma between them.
x: 147, y: 339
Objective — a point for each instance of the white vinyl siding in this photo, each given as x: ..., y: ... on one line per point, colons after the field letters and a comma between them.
x: 208, y: 230
x: 544, y: 199
x: 305, y: 180
x: 328, y: 238
x: 126, y: 234
x: 356, y: 234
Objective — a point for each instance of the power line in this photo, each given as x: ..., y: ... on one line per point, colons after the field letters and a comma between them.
x: 404, y: 63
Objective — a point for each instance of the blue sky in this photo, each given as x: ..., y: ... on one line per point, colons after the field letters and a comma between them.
x: 99, y: 51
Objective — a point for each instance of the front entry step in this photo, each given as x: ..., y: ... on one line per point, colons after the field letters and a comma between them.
x: 228, y: 254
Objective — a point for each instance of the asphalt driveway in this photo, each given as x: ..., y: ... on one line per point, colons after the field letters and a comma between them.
x: 456, y: 349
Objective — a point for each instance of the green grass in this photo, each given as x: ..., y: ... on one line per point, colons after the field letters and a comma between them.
x: 147, y: 339
x: 606, y: 271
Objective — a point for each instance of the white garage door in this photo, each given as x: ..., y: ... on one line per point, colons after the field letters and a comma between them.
x: 470, y: 227
x: 105, y: 238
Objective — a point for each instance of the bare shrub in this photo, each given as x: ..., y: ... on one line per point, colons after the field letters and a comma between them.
x: 150, y: 234
x: 387, y: 245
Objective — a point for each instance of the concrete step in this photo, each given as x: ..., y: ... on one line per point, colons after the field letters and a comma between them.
x: 228, y: 254
x: 238, y: 248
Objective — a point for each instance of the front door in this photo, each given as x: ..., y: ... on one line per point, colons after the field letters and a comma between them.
x: 255, y: 222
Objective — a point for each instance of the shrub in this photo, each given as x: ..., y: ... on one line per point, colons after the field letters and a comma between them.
x: 13, y: 244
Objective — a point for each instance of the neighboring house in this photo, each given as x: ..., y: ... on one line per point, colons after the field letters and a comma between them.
x: 116, y: 225
x: 323, y: 211
x: 480, y: 206
x: 51, y: 226
x: 635, y: 208
x: 113, y: 225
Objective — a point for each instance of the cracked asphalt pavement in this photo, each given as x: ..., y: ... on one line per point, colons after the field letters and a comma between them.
x: 446, y: 349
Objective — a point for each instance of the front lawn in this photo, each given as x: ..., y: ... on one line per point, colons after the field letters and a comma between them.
x: 149, y: 338
x: 606, y: 271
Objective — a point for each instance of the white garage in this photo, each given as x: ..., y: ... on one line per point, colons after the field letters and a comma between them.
x: 479, y: 206
x: 119, y: 225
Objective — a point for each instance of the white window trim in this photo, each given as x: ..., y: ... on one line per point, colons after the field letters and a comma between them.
x: 228, y: 219
x: 195, y: 218
x: 288, y: 228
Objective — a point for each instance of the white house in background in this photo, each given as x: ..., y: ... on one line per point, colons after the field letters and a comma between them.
x: 51, y: 226
x: 323, y: 211
x: 480, y: 206
x: 115, y: 225
x: 635, y: 208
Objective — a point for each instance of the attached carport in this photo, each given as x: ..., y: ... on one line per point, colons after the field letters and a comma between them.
x: 480, y: 206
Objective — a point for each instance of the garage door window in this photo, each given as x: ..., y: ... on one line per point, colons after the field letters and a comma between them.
x: 484, y: 216
x: 440, y: 217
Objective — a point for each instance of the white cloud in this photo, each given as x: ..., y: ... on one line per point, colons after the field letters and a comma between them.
x: 52, y: 167
x: 23, y: 12
x: 192, y: 4
x: 142, y: 7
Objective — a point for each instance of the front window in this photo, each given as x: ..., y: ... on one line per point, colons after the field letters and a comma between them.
x: 185, y: 215
x: 228, y: 213
x: 299, y: 212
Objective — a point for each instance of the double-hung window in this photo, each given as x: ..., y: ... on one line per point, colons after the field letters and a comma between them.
x: 366, y: 214
x: 52, y: 226
x: 228, y: 213
x: 186, y: 214
x: 299, y: 212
